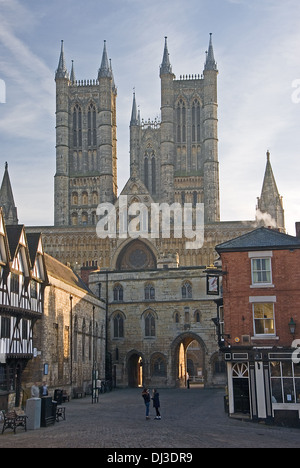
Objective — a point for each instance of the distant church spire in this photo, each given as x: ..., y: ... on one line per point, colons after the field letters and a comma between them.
x: 134, y: 114
x: 166, y: 67
x: 7, y: 200
x: 270, y: 201
x: 105, y: 68
x: 210, y: 58
x: 62, y: 71
x: 72, y: 78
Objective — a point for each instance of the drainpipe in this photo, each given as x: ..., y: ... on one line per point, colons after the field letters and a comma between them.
x: 71, y: 341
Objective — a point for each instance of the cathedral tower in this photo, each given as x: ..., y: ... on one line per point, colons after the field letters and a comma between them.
x: 210, y: 140
x: 177, y: 158
x: 167, y: 129
x: 86, y: 153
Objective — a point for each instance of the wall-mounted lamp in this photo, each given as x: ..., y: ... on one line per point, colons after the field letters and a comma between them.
x: 292, y: 326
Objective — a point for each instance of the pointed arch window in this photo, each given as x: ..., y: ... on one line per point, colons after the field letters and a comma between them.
x: 77, y: 127
x: 119, y: 326
x: 196, y: 131
x: 149, y: 325
x: 85, y: 198
x: 149, y: 292
x: 118, y: 293
x: 159, y: 366
x: 74, y: 219
x: 181, y: 121
x: 84, y: 218
x: 153, y: 170
x: 74, y: 198
x: 187, y: 291
x: 92, y: 126
x: 146, y: 172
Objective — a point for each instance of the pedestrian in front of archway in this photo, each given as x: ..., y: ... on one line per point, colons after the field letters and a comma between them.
x: 156, y: 403
x: 146, y: 396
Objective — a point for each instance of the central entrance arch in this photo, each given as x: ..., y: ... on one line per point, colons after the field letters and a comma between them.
x: 188, y: 360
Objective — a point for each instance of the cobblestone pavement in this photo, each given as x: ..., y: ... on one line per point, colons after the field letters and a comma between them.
x: 192, y: 418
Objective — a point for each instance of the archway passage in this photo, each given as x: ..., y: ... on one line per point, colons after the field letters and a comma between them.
x: 188, y: 352
x: 194, y: 362
x: 135, y: 371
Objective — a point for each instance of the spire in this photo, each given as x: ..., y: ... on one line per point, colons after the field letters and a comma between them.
x: 114, y: 88
x: 134, y: 114
x: 104, y: 70
x: 210, y: 58
x: 72, y: 78
x: 7, y: 200
x: 166, y: 67
x: 270, y: 201
x: 62, y: 71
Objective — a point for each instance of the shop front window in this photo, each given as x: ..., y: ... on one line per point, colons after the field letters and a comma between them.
x: 285, y: 382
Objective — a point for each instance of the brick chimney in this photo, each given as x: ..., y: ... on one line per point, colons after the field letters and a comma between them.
x: 298, y: 230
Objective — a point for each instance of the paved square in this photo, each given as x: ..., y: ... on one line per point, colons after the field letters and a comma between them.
x: 192, y: 418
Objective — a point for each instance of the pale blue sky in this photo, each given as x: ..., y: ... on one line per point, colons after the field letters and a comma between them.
x: 257, y: 47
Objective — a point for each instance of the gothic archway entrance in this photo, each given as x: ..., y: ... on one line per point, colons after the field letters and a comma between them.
x: 135, y: 370
x: 188, y: 356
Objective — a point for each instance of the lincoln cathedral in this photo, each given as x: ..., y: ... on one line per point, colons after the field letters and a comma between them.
x: 157, y: 295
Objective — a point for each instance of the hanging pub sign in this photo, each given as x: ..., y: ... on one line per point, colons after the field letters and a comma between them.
x: 213, y: 285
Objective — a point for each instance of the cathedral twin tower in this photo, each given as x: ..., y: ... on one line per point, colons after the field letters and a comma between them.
x: 174, y: 159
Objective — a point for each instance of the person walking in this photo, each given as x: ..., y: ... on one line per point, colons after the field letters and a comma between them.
x: 156, y: 403
x: 146, y: 396
x: 44, y: 390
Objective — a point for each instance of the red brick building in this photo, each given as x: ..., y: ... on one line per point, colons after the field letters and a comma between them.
x: 259, y: 322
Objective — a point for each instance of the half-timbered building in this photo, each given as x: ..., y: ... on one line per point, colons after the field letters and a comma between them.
x: 23, y: 279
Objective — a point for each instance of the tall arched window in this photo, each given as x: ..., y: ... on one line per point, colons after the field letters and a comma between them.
x: 149, y: 292
x: 146, y: 172
x: 85, y: 198
x: 95, y: 198
x: 158, y: 366
x: 118, y: 326
x: 181, y: 122
x: 84, y: 218
x: 153, y: 170
x: 92, y: 126
x: 74, y: 198
x: 74, y: 219
x: 118, y: 293
x: 149, y: 325
x: 196, y: 133
x: 77, y: 127
x: 187, y: 291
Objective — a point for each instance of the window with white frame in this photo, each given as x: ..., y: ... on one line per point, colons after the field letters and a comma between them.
x: 264, y: 319
x: 285, y: 382
x: 261, y: 271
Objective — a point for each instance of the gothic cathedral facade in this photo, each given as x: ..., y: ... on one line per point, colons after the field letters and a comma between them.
x: 159, y: 311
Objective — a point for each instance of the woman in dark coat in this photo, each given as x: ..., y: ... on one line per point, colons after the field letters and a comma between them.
x: 156, y: 403
x: 146, y: 396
